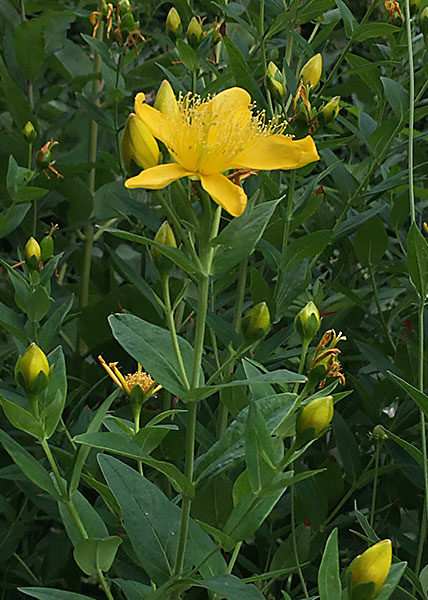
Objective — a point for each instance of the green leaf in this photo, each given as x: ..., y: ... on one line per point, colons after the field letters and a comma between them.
x: 312, y: 9
x: 258, y: 446
x: 230, y: 587
x: 14, y: 99
x: 30, y: 47
x: 124, y: 445
x: 392, y: 581
x: 291, y: 284
x: 91, y: 520
x: 371, y: 242
x: 417, y: 261
x: 28, y: 465
x: 347, y: 446
x: 396, y: 96
x: 51, y: 327
x: 243, y: 76
x: 151, y: 346
x: 239, y: 238
x: 350, y: 22
x: 94, y: 554
x: 133, y: 590
x: 306, y: 246
x: 330, y: 587
x: 38, y: 304
x: 83, y: 451
x: 30, y: 193
x: 366, y: 31
x: 418, y: 397
x: 152, y: 522
x: 21, y: 419
x: 51, y: 594
x: 187, y: 55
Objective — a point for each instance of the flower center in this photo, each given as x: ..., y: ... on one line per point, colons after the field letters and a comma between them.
x: 142, y: 379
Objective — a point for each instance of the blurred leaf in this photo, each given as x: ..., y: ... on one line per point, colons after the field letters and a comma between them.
x: 30, y: 47
x: 329, y: 584
x: 417, y: 261
x: 397, y: 96
x: 371, y: 242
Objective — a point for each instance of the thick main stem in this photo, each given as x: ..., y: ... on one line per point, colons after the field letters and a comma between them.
x: 411, y: 110
x: 207, y: 254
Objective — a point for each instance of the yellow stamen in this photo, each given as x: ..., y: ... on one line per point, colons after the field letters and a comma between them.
x: 109, y: 371
x: 123, y: 383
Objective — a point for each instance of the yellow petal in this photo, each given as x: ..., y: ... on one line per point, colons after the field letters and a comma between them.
x: 229, y: 196
x: 276, y: 152
x: 158, y: 124
x: 232, y: 99
x: 157, y: 177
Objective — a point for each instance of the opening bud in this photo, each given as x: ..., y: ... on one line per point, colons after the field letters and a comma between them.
x: 307, y: 322
x: 165, y: 101
x: 315, y: 418
x: 275, y: 81
x: 173, y: 23
x: 32, y: 370
x: 194, y: 31
x: 330, y: 110
x: 256, y: 322
x: 138, y: 144
x: 311, y: 71
x: 29, y: 132
x: 32, y: 254
x: 368, y: 571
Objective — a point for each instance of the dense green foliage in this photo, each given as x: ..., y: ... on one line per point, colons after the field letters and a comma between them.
x: 94, y: 496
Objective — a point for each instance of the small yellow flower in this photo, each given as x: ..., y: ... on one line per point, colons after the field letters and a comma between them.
x: 311, y: 71
x: 32, y: 370
x: 32, y: 253
x: 209, y: 137
x: 173, y: 21
x: 316, y: 415
x: 140, y: 378
x: 372, y: 566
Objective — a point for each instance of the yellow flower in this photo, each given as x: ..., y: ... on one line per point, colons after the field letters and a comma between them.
x: 372, y: 566
x: 209, y: 137
x: 140, y: 378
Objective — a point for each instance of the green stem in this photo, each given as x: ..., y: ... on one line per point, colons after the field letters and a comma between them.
x: 207, y: 254
x: 137, y: 415
x: 263, y: 49
x: 411, y: 109
x: 116, y: 119
x: 27, y: 568
x: 289, y: 211
x: 92, y: 157
x: 104, y: 585
x: 305, y: 346
x: 234, y: 556
x: 379, y: 310
x: 173, y: 331
x: 67, y: 433
x: 294, y: 538
x: 375, y: 480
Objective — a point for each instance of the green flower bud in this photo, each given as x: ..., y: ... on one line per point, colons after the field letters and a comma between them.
x: 32, y: 253
x: 330, y: 110
x: 275, y: 81
x: 369, y: 570
x: 307, y: 322
x: 194, y: 31
x: 379, y: 433
x: 164, y: 236
x: 311, y: 71
x: 138, y: 144
x: 32, y: 370
x: 165, y: 101
x: 423, y: 21
x: 29, y: 132
x: 315, y: 418
x: 173, y: 23
x: 256, y: 322
x: 47, y: 247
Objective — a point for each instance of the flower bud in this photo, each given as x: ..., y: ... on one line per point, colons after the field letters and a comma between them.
x: 275, y: 81
x: 379, y: 433
x: 194, y: 31
x: 315, y: 417
x: 423, y: 21
x: 330, y: 110
x: 370, y: 569
x: 32, y: 370
x: 165, y: 101
x: 138, y: 144
x: 307, y: 322
x: 47, y: 247
x: 32, y: 254
x: 256, y: 322
x: 164, y: 236
x: 173, y: 23
x: 311, y: 71
x: 29, y: 132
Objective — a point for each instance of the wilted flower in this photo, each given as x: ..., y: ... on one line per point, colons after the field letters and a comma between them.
x: 325, y: 358
x: 209, y: 137
x: 44, y: 159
